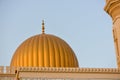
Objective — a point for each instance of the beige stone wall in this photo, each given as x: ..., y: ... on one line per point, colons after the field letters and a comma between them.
x: 69, y: 75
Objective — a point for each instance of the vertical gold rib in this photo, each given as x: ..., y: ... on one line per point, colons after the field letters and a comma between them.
x: 57, y: 48
x: 62, y: 53
x: 65, y: 55
x: 40, y: 51
x: 23, y: 53
x: 31, y: 52
x: 22, y: 58
x: 68, y: 50
x: 18, y: 59
x: 35, y: 62
x: 46, y: 52
x: 26, y: 51
x: 68, y: 58
x: 20, y: 55
x: 54, y: 52
x: 62, y: 56
x: 51, y: 52
x: 30, y: 59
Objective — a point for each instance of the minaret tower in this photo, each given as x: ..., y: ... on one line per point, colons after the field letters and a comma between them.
x: 113, y: 9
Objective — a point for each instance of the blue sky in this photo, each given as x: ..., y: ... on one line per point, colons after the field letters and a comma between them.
x: 83, y: 24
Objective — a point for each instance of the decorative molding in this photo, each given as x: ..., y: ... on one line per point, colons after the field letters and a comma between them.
x: 109, y: 3
x: 10, y: 70
x: 112, y: 7
x: 69, y: 70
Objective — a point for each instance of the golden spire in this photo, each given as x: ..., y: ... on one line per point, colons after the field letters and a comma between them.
x: 43, y: 27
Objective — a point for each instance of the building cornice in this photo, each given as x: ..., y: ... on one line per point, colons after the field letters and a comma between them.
x: 69, y: 70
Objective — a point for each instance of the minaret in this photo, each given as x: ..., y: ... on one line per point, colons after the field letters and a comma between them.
x: 113, y: 9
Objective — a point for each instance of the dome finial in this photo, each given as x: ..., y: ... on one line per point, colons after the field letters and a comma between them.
x: 43, y: 27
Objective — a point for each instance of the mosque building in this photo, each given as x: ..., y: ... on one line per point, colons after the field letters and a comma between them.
x: 48, y: 57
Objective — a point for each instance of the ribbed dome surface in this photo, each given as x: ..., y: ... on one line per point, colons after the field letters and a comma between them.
x: 44, y: 50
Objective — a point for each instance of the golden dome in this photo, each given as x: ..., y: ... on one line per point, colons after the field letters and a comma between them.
x: 44, y: 50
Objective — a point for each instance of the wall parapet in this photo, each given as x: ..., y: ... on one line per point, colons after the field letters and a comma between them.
x: 69, y: 70
x: 11, y: 70
x: 7, y: 70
